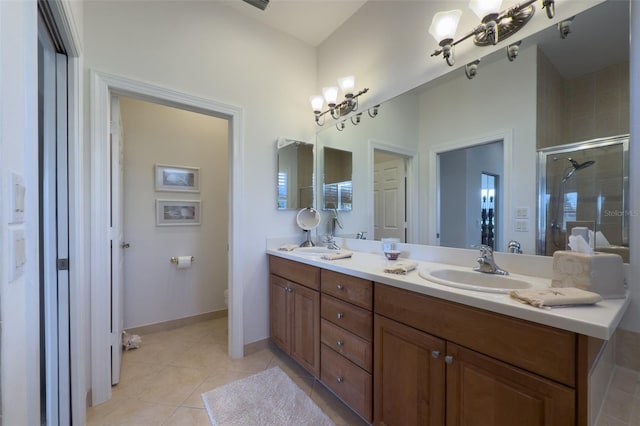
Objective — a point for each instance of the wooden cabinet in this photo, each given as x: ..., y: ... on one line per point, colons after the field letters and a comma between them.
x: 428, y: 371
x: 295, y: 313
x: 346, y: 336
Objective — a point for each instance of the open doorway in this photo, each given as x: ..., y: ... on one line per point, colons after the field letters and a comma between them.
x: 104, y: 87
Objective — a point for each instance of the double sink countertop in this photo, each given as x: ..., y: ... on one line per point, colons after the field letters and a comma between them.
x: 599, y: 320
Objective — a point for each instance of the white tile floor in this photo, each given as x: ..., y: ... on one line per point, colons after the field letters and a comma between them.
x: 621, y: 406
x: 161, y: 382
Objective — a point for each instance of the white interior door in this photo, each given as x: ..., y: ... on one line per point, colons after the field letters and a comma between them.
x: 117, y: 238
x: 389, y: 188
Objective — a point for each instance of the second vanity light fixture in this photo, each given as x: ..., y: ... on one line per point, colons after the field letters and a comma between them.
x: 337, y: 110
x: 494, y: 27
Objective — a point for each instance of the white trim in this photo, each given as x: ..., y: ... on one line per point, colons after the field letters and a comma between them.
x: 433, y: 201
x: 412, y: 183
x: 102, y: 86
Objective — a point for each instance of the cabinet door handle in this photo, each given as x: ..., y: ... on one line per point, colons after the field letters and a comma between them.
x: 340, y: 343
x: 340, y: 315
x: 448, y: 359
x: 340, y: 287
x: 339, y: 379
x: 435, y: 354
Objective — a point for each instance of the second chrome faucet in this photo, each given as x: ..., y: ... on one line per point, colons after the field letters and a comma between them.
x: 486, y: 262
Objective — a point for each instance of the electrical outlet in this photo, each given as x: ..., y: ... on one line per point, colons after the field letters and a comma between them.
x: 521, y: 225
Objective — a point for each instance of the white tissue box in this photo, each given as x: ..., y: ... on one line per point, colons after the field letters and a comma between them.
x: 600, y: 273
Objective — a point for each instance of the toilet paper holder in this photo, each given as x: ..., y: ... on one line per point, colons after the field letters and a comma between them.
x: 175, y: 260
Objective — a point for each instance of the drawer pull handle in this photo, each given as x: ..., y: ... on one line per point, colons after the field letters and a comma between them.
x: 435, y: 354
x: 340, y: 315
x: 340, y: 287
x: 448, y: 359
x: 340, y: 343
x: 340, y: 380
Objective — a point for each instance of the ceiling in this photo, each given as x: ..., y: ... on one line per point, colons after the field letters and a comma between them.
x: 311, y: 21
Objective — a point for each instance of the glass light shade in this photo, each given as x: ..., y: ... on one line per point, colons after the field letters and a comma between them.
x: 330, y: 94
x: 484, y: 7
x: 445, y: 24
x: 316, y: 102
x: 347, y: 84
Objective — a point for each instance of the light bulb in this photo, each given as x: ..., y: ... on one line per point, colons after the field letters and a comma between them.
x: 347, y: 84
x: 444, y: 24
x: 484, y: 7
x: 330, y: 95
x: 316, y: 102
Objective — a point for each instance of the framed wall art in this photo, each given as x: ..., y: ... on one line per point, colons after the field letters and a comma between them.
x: 177, y: 178
x: 177, y: 212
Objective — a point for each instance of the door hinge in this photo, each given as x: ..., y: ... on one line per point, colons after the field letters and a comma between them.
x: 63, y: 264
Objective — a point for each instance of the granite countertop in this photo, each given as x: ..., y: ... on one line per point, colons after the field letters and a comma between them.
x: 599, y: 320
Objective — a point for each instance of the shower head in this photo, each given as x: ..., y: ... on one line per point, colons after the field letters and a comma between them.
x: 574, y: 166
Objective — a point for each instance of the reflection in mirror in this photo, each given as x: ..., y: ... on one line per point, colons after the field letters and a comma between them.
x: 337, y: 186
x: 389, y: 195
x: 470, y: 191
x: 295, y: 174
x: 585, y: 184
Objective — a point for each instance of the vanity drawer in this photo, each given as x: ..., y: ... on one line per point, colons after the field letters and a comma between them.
x: 307, y: 275
x: 351, y: 383
x: 352, y: 289
x: 357, y: 320
x: 547, y: 351
x: 347, y: 344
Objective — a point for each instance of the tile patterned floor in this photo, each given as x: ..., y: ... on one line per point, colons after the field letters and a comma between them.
x: 621, y: 406
x: 161, y: 382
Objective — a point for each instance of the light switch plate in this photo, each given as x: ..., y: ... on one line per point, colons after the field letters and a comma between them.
x: 522, y: 212
x: 17, y: 192
x: 17, y: 253
x: 521, y: 225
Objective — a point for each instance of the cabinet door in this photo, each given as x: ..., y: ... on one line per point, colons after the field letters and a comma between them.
x: 280, y: 318
x: 409, y: 374
x: 305, y: 327
x: 484, y: 391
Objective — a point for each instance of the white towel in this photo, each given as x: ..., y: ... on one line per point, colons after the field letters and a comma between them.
x: 549, y: 297
x: 401, y: 268
x: 287, y: 247
x: 343, y: 254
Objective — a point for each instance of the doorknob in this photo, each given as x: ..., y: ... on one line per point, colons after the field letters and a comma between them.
x: 125, y: 245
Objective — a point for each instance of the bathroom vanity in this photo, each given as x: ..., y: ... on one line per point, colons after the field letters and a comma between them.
x: 401, y: 350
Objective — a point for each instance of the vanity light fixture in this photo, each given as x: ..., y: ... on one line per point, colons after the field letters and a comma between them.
x: 330, y: 95
x: 355, y: 119
x: 512, y: 50
x: 494, y: 26
x: 471, y: 69
x: 564, y: 28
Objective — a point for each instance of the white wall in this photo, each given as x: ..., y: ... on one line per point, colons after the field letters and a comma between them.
x: 154, y: 290
x: 209, y: 50
x: 18, y: 152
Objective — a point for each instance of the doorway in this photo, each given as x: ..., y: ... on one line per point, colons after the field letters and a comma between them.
x: 103, y: 87
x: 390, y: 195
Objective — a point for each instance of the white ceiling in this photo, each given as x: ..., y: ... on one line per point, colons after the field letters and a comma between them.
x: 311, y: 21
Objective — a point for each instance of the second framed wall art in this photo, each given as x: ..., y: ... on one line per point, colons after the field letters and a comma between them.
x: 177, y: 178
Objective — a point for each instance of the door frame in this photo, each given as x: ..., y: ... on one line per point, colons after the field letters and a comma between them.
x: 412, y: 201
x: 433, y: 196
x: 102, y: 86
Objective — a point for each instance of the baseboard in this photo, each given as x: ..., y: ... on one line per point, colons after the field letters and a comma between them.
x: 177, y: 323
x: 254, y: 347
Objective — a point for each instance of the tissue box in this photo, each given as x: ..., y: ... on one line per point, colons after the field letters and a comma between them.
x: 600, y: 273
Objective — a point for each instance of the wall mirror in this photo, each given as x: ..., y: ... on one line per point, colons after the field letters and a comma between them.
x: 586, y: 74
x: 337, y: 184
x: 295, y: 180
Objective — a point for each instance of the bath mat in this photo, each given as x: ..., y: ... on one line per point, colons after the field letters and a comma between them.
x: 267, y: 398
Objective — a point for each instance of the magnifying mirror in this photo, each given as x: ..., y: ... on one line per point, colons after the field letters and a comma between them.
x: 307, y: 219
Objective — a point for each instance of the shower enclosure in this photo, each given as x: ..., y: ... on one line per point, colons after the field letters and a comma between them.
x: 584, y: 184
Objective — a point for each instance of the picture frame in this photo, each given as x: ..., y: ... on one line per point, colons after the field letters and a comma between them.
x: 178, y: 212
x: 177, y: 178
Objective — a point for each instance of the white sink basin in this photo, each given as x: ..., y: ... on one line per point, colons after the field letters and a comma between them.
x: 313, y: 250
x: 473, y: 280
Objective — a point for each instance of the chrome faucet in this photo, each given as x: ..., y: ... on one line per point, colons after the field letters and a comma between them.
x: 487, y: 264
x: 514, y: 247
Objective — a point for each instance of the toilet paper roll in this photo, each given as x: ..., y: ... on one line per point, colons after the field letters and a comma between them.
x: 184, y: 262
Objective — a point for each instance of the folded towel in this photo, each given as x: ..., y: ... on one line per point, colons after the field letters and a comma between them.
x: 342, y: 254
x: 401, y: 267
x: 287, y: 247
x: 549, y: 297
